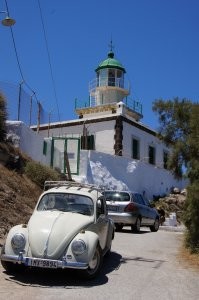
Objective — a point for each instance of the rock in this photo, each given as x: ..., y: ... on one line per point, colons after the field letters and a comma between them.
x: 184, y: 192
x: 176, y: 190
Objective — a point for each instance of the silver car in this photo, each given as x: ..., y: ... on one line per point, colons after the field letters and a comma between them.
x: 127, y: 208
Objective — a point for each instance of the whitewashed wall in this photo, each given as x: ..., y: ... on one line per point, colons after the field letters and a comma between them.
x: 114, y: 172
x: 27, y: 140
x: 101, y: 168
x: 146, y: 140
x: 103, y: 132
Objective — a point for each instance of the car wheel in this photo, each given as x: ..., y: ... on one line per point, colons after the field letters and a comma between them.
x: 9, y: 266
x: 155, y: 226
x: 118, y: 227
x: 136, y: 226
x: 94, y: 265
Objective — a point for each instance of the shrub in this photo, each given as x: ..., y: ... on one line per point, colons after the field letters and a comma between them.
x: 39, y: 173
x: 191, y: 218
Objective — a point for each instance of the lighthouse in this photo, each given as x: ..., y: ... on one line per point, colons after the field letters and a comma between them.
x: 109, y: 85
x: 109, y: 92
x: 109, y: 138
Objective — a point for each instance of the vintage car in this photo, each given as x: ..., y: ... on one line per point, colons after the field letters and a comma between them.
x: 69, y: 228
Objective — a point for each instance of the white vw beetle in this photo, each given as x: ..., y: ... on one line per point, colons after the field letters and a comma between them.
x: 69, y: 228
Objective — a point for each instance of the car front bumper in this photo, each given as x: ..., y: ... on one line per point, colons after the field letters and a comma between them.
x: 43, y: 263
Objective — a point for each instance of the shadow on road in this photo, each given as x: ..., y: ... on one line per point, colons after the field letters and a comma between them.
x: 65, y: 278
x: 153, y: 263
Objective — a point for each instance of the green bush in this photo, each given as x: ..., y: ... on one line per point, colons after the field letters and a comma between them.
x: 39, y: 173
x: 191, y: 217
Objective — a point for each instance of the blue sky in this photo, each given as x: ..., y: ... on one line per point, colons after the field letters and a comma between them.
x: 157, y: 41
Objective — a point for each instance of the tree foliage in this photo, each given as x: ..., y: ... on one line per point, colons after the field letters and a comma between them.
x: 191, y: 217
x: 179, y: 129
x: 3, y: 117
x: 176, y: 125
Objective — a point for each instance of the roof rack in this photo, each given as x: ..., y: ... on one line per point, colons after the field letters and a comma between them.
x: 68, y: 184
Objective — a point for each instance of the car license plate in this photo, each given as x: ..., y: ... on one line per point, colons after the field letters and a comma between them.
x: 42, y: 263
x: 113, y: 208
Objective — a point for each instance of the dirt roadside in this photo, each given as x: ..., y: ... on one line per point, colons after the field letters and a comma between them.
x: 18, y: 196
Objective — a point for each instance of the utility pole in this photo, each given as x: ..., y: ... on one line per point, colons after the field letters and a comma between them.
x: 67, y: 164
x: 38, y: 116
x: 19, y: 101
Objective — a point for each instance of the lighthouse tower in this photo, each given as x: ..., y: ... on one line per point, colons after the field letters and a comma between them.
x: 109, y: 85
x: 109, y: 92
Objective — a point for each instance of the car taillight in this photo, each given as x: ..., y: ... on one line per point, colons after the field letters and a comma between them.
x: 130, y: 207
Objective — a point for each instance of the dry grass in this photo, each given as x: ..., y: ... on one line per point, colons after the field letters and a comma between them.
x: 18, y: 196
x: 188, y: 259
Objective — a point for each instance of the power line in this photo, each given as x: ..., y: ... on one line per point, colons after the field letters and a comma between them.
x: 13, y: 40
x: 49, y: 60
x: 17, y: 57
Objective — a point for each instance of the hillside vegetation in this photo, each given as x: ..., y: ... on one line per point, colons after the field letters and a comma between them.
x: 18, y: 196
x: 21, y: 183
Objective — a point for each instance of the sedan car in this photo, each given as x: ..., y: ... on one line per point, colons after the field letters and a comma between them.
x: 127, y: 208
x: 69, y: 228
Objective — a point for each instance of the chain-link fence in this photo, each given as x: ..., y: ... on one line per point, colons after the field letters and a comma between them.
x: 22, y: 105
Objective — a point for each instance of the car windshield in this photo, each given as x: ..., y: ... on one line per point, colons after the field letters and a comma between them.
x: 116, y: 196
x: 67, y: 203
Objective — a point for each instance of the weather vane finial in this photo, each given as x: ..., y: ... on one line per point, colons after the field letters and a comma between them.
x: 111, y: 45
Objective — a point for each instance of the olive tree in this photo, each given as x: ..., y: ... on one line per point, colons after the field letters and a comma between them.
x: 179, y: 129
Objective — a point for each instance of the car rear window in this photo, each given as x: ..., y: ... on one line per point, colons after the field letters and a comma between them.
x: 117, y: 196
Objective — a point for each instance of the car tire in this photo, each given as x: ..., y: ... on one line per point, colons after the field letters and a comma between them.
x: 118, y: 227
x: 9, y: 266
x: 136, y: 226
x: 94, y: 265
x: 155, y: 226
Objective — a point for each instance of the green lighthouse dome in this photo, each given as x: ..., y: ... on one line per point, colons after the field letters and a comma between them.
x: 110, y: 62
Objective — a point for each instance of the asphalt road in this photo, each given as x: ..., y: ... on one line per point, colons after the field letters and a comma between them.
x: 141, y: 266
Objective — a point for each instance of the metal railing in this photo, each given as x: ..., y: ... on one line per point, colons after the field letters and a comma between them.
x: 134, y: 105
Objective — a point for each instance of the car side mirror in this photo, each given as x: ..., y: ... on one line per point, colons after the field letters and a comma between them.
x: 99, y: 208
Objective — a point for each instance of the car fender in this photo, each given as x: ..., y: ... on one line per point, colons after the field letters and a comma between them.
x: 16, y: 229
x: 112, y: 226
x: 111, y: 232
x: 91, y: 240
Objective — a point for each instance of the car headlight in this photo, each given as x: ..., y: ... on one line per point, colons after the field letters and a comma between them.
x: 18, y: 242
x: 78, y: 247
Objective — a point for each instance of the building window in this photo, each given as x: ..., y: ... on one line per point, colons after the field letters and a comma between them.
x: 152, y: 155
x: 120, y: 79
x: 87, y: 142
x: 44, y: 148
x: 111, y: 77
x: 165, y: 159
x: 135, y: 148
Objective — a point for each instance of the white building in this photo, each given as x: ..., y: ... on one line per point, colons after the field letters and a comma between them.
x: 108, y: 145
